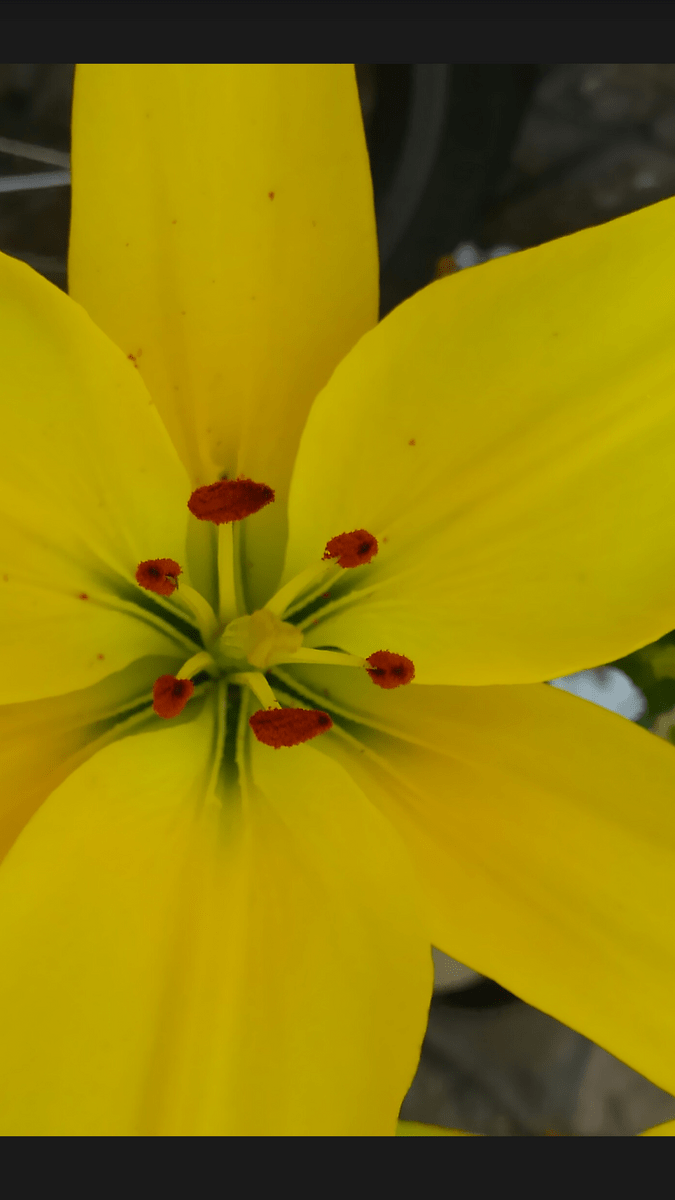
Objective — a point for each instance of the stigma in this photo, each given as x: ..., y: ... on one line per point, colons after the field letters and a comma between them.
x: 262, y: 638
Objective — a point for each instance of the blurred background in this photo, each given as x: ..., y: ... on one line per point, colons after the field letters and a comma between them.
x: 469, y: 161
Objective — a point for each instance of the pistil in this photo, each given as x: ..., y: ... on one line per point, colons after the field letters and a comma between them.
x: 261, y: 639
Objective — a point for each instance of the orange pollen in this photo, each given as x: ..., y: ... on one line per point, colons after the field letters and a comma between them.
x: 158, y: 575
x: 170, y: 695
x: 389, y: 670
x: 229, y: 500
x: 288, y: 726
x: 352, y: 549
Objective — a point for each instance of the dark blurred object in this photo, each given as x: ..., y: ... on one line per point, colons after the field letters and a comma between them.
x: 598, y: 142
x: 35, y: 101
x: 485, y: 993
x: 440, y: 138
x: 512, y: 1071
x: 495, y: 154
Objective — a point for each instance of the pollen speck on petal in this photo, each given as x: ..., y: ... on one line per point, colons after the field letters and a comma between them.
x: 389, y: 670
x: 158, y: 575
x: 288, y: 726
x: 352, y: 549
x: 229, y: 500
x: 170, y: 695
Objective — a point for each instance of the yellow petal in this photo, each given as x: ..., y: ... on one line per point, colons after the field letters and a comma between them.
x: 182, y: 959
x: 416, y: 1129
x: 223, y: 232
x: 508, y: 432
x: 90, y: 485
x: 543, y: 828
x: 42, y: 741
x: 665, y: 1130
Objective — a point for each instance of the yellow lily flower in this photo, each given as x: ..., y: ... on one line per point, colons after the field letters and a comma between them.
x: 195, y: 924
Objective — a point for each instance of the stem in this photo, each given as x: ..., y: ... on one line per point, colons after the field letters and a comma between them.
x: 227, y: 592
x: 332, y: 658
x: 199, y: 662
x: 200, y: 609
x: 258, y: 685
x: 286, y: 595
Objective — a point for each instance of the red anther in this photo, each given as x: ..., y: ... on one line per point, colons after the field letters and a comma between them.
x: 158, y: 575
x: 389, y: 670
x: 288, y: 726
x: 170, y: 695
x: 229, y: 500
x: 352, y: 549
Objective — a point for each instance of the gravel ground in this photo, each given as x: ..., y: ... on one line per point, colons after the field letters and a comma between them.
x: 598, y: 141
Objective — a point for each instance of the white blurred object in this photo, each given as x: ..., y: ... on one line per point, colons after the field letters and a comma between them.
x: 468, y: 254
x: 450, y: 975
x: 607, y: 686
x: 34, y: 181
x: 37, y: 179
x: 43, y: 154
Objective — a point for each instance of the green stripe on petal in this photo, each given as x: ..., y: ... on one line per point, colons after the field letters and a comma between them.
x: 90, y: 485
x: 42, y: 741
x: 184, y: 959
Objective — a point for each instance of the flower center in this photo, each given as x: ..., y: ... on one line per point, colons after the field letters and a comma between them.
x: 233, y: 644
x: 262, y: 638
